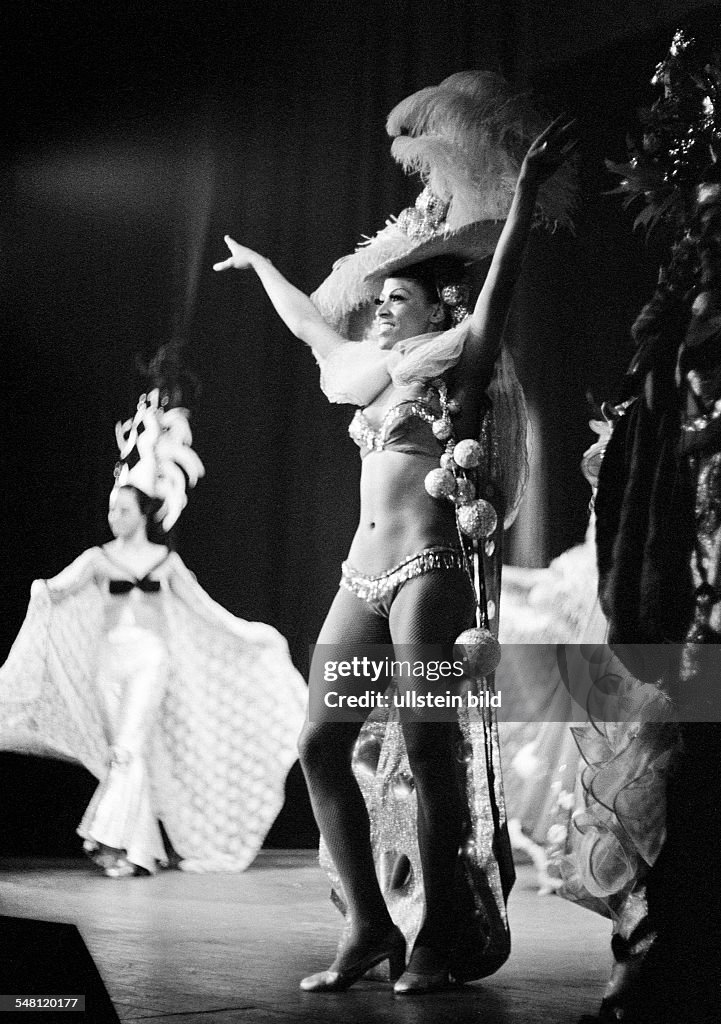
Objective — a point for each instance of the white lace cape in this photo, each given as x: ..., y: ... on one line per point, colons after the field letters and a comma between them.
x: 228, y: 726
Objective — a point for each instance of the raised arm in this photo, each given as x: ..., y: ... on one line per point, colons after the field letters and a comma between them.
x: 293, y: 307
x: 488, y: 319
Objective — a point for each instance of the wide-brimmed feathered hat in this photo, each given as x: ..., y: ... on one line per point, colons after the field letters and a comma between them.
x: 466, y: 138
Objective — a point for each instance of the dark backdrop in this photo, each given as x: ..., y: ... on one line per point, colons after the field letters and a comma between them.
x: 138, y: 135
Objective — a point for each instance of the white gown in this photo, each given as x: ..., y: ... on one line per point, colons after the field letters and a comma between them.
x: 183, y: 712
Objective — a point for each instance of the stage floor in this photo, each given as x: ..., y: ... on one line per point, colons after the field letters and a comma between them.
x: 216, y: 949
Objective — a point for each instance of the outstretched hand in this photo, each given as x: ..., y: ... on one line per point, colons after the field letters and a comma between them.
x: 552, y: 148
x: 241, y: 257
x: 40, y: 591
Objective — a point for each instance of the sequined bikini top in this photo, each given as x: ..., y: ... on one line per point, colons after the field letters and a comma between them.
x: 406, y: 428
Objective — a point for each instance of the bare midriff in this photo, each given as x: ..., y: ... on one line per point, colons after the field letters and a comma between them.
x: 398, y: 517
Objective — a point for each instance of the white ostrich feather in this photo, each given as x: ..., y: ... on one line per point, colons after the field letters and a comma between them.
x: 166, y: 465
x: 171, y: 488
x: 168, y: 451
x: 175, y: 422
x: 476, y: 189
x: 466, y: 138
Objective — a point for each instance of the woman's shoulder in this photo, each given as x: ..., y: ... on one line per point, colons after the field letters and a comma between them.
x: 91, y: 556
x: 170, y: 561
x: 104, y: 553
x: 161, y: 558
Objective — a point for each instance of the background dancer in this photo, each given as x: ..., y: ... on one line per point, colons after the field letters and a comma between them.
x: 186, y: 714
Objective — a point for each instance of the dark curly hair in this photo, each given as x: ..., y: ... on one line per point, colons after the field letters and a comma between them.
x: 435, y: 274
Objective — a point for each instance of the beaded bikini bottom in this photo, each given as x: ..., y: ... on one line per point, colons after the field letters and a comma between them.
x: 381, y: 589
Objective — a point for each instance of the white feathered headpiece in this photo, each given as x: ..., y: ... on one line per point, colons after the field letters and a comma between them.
x: 466, y: 138
x: 156, y: 457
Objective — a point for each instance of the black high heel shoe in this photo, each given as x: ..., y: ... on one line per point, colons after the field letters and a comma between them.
x: 427, y: 971
x: 351, y: 963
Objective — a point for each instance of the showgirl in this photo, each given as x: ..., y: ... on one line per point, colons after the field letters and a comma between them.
x: 185, y: 714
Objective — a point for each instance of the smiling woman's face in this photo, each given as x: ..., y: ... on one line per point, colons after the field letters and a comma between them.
x: 404, y: 311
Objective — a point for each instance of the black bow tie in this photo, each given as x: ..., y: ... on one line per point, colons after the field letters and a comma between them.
x: 125, y: 586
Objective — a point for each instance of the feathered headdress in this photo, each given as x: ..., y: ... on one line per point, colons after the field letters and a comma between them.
x: 156, y: 455
x: 466, y: 138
